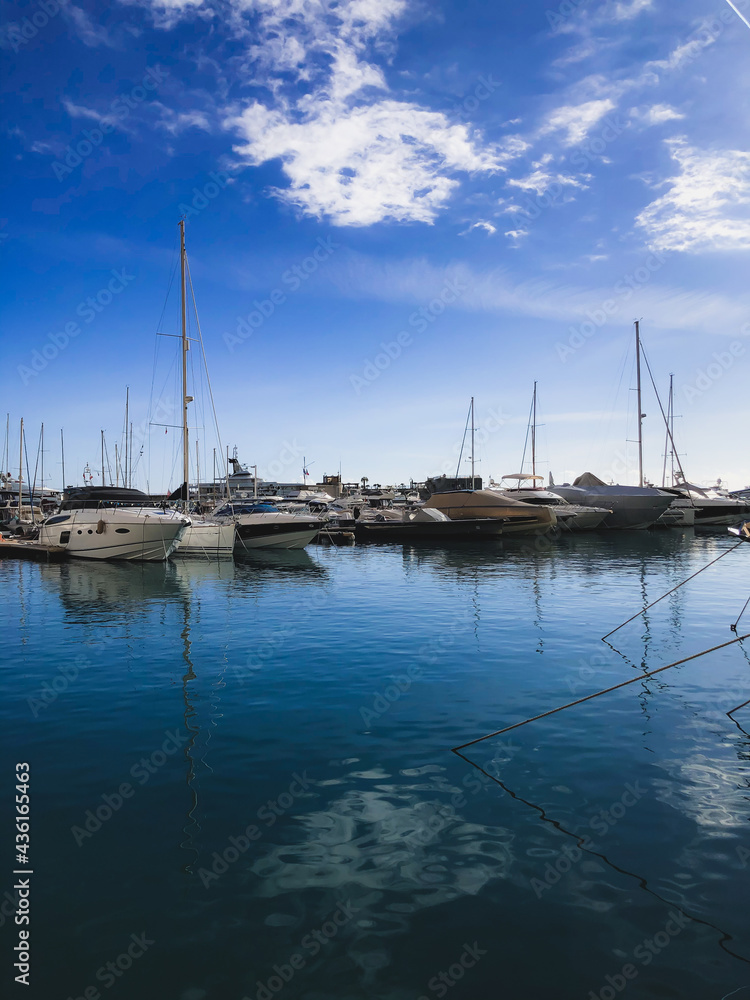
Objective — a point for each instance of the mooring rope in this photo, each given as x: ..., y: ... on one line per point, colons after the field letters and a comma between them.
x: 644, y: 610
x: 597, y: 694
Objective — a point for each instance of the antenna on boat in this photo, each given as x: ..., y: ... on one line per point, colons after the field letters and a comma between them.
x: 62, y: 456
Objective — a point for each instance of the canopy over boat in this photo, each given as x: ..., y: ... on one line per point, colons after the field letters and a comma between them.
x: 520, y: 476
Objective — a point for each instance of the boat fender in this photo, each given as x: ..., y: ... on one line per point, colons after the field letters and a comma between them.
x: 100, y: 526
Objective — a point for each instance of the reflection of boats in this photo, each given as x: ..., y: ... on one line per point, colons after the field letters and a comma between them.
x: 631, y: 506
x: 429, y: 524
x: 518, y: 517
x: 107, y: 522
x: 260, y: 525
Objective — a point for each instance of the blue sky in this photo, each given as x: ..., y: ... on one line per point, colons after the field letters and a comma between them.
x: 391, y: 206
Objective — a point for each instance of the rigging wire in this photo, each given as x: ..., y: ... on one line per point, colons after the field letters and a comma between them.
x: 463, y: 442
x: 203, y: 353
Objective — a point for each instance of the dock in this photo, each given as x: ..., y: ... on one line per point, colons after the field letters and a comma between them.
x: 13, y: 548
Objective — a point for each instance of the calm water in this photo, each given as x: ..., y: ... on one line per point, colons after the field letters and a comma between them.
x: 293, y: 824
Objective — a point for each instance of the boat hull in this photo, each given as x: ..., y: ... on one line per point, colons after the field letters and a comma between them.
x: 115, y: 533
x: 469, y: 529
x: 207, y: 541
x: 517, y: 517
x: 277, y: 536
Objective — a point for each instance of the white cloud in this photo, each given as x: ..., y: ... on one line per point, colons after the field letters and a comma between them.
x: 90, y: 34
x: 516, y: 235
x: 658, y: 114
x: 542, y: 178
x: 622, y: 11
x: 174, y: 122
x: 361, y: 166
x: 349, y: 152
x: 482, y: 224
x: 706, y: 206
x: 576, y: 120
x: 167, y: 13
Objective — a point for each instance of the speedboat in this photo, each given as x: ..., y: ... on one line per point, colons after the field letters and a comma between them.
x: 713, y: 507
x: 630, y: 506
x: 426, y: 523
x: 107, y: 522
x: 518, y: 517
x: 261, y: 525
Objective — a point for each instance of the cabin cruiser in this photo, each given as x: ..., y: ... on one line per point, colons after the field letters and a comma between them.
x: 518, y: 517
x: 570, y: 516
x: 261, y: 525
x: 630, y: 506
x: 107, y: 522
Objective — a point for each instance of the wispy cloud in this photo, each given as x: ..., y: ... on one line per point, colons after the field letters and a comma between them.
x: 90, y: 34
x: 543, y: 175
x: 707, y: 204
x: 575, y: 121
x: 482, y: 224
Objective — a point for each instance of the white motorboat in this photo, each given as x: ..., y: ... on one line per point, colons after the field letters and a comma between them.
x: 103, y: 522
x: 260, y: 525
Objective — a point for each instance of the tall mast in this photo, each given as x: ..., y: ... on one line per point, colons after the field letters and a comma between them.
x: 130, y: 473
x: 20, y: 471
x: 185, y: 398
x: 533, y: 432
x: 640, y: 405
x: 117, y: 467
x: 62, y: 456
x: 125, y: 476
x: 472, y: 442
x: 42, y: 455
x: 102, y: 433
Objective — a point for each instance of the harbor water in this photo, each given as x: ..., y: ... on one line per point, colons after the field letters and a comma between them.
x: 242, y: 784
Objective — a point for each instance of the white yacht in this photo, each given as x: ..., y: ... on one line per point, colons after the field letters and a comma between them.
x: 107, y: 522
x: 259, y: 524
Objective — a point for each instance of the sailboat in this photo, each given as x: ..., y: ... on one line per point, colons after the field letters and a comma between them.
x: 205, y: 537
x: 570, y: 516
x: 517, y: 517
x: 631, y: 506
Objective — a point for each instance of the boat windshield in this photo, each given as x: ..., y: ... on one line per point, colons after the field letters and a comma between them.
x: 232, y: 509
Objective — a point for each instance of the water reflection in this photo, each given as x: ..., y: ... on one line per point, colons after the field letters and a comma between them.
x: 393, y: 848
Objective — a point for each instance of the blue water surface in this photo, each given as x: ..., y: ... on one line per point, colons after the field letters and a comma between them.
x: 242, y: 772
